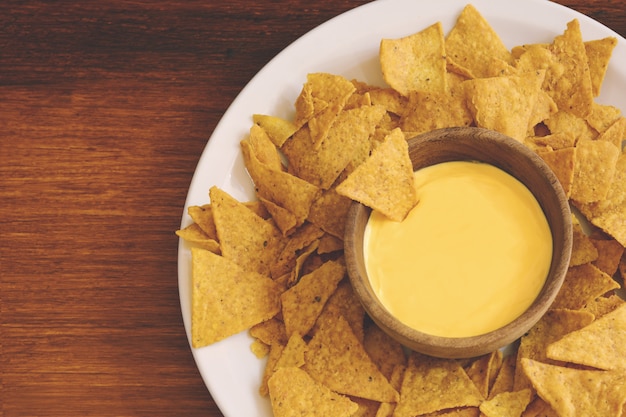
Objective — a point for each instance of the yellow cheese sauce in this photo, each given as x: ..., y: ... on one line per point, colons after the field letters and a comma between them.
x: 469, y: 258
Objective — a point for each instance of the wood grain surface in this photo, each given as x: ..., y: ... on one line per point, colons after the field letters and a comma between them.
x: 105, y: 108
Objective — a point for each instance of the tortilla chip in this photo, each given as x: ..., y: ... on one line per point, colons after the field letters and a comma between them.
x: 226, y: 299
x: 506, y: 404
x: 195, y: 235
x: 329, y: 244
x: 610, y: 252
x: 426, y: 378
x: 593, y: 170
x: 336, y: 358
x: 294, y: 393
x: 575, y: 127
x: 561, y: 162
x: 390, y: 99
x: 599, y: 53
x: 270, y: 332
x: 264, y: 149
x: 387, y: 409
x: 583, y: 249
x: 429, y: 111
x: 283, y: 189
x: 571, y: 89
x: 203, y: 217
x: 471, y: 39
x: 302, y: 303
x: 603, y: 116
x: 574, y: 393
x: 551, y: 327
x: 583, y: 284
x: 329, y: 212
x: 610, y: 213
x: 603, y: 305
x: 344, y: 302
x: 301, y: 238
x: 245, y: 238
x: 601, y: 344
x: 505, y: 378
x: 416, y: 62
x: 351, y: 130
x: 615, y: 133
x: 544, y: 108
x: 483, y: 371
x: 504, y: 104
x: 272, y: 358
x: 385, y: 181
x: 277, y: 129
x: 386, y: 352
x: 293, y: 353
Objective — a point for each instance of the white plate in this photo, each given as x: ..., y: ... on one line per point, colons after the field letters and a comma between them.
x: 345, y: 45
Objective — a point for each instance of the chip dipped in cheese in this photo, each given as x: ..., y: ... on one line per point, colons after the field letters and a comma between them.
x: 468, y: 259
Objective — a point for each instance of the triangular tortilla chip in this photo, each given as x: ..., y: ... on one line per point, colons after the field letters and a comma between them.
x: 195, y: 235
x: 571, y: 88
x: 575, y: 393
x: 294, y: 393
x: 203, y: 216
x: 609, y: 214
x: 504, y: 104
x: 506, y: 404
x: 416, y: 62
x: 599, y: 53
x: 385, y: 181
x: 283, y: 189
x: 349, y: 132
x: 426, y: 378
x: 583, y: 284
x: 471, y: 39
x: 245, y: 238
x: 226, y: 298
x: 277, y: 129
x: 593, y: 170
x: 303, y: 303
x: 601, y: 344
x: 336, y: 358
x: 583, y: 250
x: 552, y: 326
x: 561, y: 162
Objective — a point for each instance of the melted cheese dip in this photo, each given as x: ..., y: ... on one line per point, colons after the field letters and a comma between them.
x: 468, y: 259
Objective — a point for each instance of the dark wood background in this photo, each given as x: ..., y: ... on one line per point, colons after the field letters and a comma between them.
x: 105, y: 108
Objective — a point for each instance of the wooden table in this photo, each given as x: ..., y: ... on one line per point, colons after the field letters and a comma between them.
x: 105, y: 108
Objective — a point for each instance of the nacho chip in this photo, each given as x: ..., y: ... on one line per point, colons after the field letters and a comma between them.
x: 583, y: 284
x: 245, y: 238
x: 561, y: 162
x: 506, y: 376
x: 610, y: 213
x: 429, y: 111
x: 471, y: 39
x: 336, y: 358
x: 386, y: 352
x: 583, y: 249
x: 385, y: 181
x: 504, y: 104
x: 226, y: 299
x: 397, y: 374
x: 294, y: 393
x: 603, y: 116
x: 574, y: 127
x: 610, y: 252
x: 344, y: 302
x: 416, y: 62
x: 285, y: 190
x: 264, y: 149
x: 551, y: 327
x: 277, y: 129
x: 349, y: 132
x: 571, y: 89
x: 302, y: 303
x: 599, y: 53
x: 574, y: 393
x: 276, y: 351
x: 194, y: 235
x: 426, y: 378
x: 483, y: 371
x: 301, y: 238
x: 270, y: 332
x: 293, y: 353
x: 615, y: 133
x: 506, y: 404
x: 593, y: 170
x: 601, y: 344
x: 203, y: 217
x: 329, y: 212
x: 603, y: 305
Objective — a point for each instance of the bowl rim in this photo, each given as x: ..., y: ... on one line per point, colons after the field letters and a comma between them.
x: 470, y: 346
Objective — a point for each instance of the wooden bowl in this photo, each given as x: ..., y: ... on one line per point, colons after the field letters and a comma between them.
x: 475, y: 144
